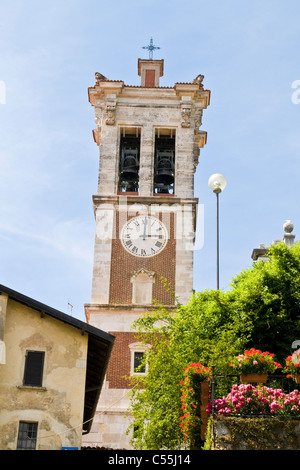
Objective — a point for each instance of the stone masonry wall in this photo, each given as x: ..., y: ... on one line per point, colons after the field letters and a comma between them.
x: 274, y: 433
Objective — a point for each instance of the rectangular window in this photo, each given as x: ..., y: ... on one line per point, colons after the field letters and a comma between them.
x: 27, y: 436
x: 34, y: 366
x: 139, y: 367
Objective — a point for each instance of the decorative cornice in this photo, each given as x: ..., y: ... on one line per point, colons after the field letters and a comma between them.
x: 151, y: 274
x: 126, y: 200
x: 134, y: 308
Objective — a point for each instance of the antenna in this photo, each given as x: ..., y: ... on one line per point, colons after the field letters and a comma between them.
x: 70, y: 306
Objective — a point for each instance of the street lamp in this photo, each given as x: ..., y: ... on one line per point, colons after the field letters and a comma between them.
x: 217, y: 184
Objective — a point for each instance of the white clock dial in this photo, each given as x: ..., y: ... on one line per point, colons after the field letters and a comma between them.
x: 144, y: 236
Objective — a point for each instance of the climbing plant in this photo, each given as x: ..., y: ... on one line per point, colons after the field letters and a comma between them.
x: 193, y: 376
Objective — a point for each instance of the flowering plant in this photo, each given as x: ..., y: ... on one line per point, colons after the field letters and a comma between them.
x: 194, y: 374
x: 247, y: 399
x: 292, y: 364
x: 255, y: 361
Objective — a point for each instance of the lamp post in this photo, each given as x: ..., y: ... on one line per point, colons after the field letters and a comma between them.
x: 217, y: 184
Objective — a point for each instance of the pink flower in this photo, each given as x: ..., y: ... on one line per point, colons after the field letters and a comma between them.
x: 265, y: 400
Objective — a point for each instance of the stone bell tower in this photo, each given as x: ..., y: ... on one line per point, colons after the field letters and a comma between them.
x: 145, y: 212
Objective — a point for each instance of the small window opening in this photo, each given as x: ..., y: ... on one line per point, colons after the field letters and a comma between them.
x: 164, y: 161
x: 27, y: 436
x: 34, y: 366
x: 129, y: 160
x: 139, y: 365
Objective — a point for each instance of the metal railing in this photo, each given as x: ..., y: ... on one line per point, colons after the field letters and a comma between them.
x: 221, y: 385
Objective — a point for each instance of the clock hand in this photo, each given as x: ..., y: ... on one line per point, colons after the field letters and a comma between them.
x: 151, y: 236
x: 144, y: 234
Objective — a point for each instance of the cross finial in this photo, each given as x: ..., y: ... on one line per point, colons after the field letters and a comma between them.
x: 151, y: 48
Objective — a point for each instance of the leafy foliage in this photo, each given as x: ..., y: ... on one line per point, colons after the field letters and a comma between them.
x: 261, y: 309
x: 204, y: 331
x: 268, y: 294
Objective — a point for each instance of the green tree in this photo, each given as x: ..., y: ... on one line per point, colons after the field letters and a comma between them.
x: 260, y: 310
x: 268, y: 296
x: 201, y: 331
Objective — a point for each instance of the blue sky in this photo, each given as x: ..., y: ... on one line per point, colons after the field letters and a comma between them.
x: 49, y: 53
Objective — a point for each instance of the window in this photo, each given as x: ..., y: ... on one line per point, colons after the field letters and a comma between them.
x: 27, y: 436
x: 139, y: 365
x: 34, y: 366
x: 129, y: 166
x: 164, y: 161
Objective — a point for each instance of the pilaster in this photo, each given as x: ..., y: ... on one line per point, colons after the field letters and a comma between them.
x: 147, y: 161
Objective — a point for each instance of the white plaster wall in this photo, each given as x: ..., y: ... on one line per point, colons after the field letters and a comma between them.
x: 114, y: 321
x: 102, y: 253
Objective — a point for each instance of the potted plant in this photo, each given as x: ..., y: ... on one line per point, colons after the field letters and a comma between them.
x: 292, y: 366
x: 254, y: 365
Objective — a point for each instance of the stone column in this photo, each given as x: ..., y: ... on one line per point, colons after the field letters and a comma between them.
x: 146, y: 161
x: 105, y: 214
x: 184, y: 220
x: 184, y: 163
x: 109, y: 161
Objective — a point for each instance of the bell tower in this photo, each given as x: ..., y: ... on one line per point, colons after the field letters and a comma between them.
x: 149, y: 140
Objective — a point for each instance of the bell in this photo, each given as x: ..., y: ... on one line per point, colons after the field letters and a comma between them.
x: 163, y: 189
x: 129, y: 171
x: 164, y: 172
x: 131, y: 187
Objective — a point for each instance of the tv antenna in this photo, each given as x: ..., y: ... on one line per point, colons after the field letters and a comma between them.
x: 70, y: 306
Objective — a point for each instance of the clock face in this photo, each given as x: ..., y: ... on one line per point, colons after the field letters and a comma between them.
x: 144, y: 236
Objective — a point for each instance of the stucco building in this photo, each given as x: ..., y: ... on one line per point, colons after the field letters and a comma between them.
x: 52, y: 367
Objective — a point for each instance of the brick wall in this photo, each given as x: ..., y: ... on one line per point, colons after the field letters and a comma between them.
x: 124, y: 264
x: 119, y: 363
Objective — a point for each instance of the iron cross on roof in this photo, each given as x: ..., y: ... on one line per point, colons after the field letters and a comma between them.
x: 151, y: 48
